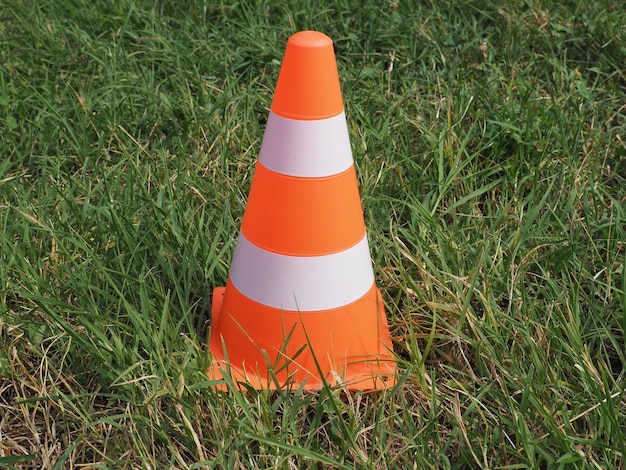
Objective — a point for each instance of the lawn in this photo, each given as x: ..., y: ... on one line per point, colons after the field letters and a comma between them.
x: 489, y: 139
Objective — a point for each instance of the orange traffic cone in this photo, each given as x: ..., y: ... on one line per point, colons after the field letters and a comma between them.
x: 300, y: 305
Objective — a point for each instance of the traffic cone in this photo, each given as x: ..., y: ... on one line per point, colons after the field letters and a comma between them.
x: 300, y: 305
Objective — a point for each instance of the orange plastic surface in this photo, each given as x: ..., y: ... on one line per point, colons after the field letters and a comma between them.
x: 308, y: 83
x: 352, y: 344
x: 303, y: 216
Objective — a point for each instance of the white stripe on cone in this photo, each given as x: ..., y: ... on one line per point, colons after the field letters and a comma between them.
x: 315, y: 148
x: 300, y: 283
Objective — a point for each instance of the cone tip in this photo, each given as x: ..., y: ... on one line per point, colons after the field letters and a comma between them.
x: 308, y: 83
x: 310, y: 39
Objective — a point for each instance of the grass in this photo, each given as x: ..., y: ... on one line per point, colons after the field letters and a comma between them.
x: 490, y: 142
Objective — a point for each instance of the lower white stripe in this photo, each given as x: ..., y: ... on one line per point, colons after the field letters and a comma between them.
x: 314, y: 148
x: 301, y: 283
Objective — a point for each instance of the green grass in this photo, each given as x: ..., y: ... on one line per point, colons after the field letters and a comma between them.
x: 490, y: 143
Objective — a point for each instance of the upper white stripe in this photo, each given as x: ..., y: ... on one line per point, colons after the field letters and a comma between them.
x: 314, y: 148
x: 300, y: 283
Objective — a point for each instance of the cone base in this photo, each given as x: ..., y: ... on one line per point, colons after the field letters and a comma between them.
x: 366, y: 373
